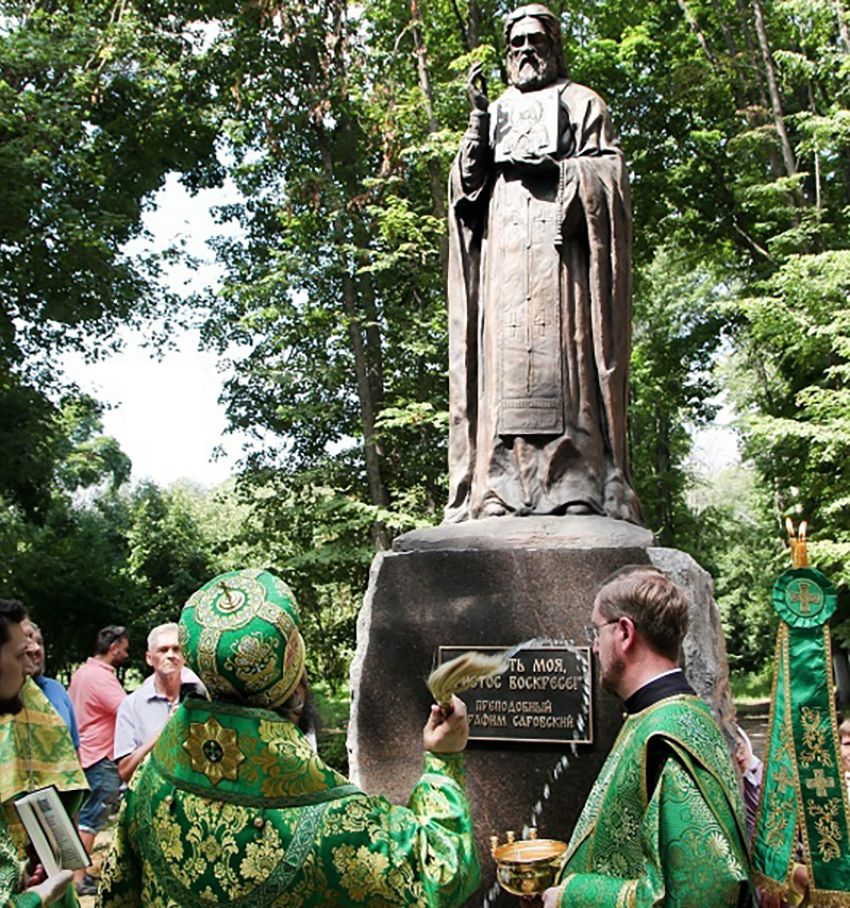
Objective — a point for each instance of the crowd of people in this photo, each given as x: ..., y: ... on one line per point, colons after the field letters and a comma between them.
x: 224, y: 799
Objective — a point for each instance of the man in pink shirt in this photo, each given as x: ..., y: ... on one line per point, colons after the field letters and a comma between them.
x: 96, y: 694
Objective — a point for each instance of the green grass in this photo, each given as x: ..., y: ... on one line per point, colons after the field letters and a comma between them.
x: 752, y: 687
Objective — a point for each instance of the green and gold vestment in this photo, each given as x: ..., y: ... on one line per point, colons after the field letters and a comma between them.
x: 233, y: 807
x: 11, y: 876
x: 36, y: 750
x: 681, y: 843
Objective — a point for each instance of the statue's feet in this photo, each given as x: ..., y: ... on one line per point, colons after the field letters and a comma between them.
x: 456, y: 515
x: 621, y: 502
x: 492, y: 508
x: 579, y: 509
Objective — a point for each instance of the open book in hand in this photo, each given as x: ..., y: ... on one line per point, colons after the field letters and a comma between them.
x: 52, y: 832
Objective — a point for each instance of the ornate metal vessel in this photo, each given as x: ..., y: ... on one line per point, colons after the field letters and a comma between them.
x: 529, y: 866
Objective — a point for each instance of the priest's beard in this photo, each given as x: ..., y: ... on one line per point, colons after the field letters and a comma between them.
x: 528, y: 70
x: 11, y: 707
x: 612, y: 674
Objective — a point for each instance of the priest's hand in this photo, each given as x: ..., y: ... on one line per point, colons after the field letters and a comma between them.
x: 53, y: 887
x: 551, y: 897
x: 447, y: 730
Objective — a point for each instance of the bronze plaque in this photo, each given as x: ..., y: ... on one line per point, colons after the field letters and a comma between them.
x: 544, y: 697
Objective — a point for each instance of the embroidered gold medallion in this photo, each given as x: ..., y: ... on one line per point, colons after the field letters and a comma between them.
x: 214, y: 750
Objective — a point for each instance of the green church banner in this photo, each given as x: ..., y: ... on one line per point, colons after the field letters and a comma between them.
x: 803, y: 812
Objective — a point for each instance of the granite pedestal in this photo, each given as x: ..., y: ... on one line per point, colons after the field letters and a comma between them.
x: 497, y: 582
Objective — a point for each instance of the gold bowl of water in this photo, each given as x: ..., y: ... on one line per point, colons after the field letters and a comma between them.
x: 527, y: 867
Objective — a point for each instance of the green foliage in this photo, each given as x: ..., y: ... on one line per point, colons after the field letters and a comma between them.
x: 66, y: 562
x: 30, y: 442
x: 169, y: 556
x: 318, y: 541
x: 97, y: 104
x: 334, y: 707
x: 752, y: 686
x: 741, y: 544
x: 677, y: 330
x: 790, y: 380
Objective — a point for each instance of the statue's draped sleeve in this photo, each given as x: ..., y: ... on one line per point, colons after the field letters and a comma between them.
x: 468, y: 186
x: 603, y: 190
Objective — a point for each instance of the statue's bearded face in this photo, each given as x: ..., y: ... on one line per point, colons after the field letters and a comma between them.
x: 531, y: 57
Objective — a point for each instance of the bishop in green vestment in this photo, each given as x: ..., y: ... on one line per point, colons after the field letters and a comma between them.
x: 233, y: 806
x: 664, y: 824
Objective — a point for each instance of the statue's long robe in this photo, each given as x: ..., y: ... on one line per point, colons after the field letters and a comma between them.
x: 540, y: 321
x: 234, y: 808
x: 675, y: 840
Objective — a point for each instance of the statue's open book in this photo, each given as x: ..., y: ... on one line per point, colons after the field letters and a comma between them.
x: 52, y: 832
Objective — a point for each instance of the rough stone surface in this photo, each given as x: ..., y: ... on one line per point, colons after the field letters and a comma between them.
x: 498, y: 595
x: 533, y: 531
x: 704, y: 650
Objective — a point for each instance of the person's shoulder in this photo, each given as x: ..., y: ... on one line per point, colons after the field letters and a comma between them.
x: 139, y: 695
x: 687, y: 722
x: 84, y: 672
x: 680, y: 715
x: 187, y: 676
x: 52, y: 687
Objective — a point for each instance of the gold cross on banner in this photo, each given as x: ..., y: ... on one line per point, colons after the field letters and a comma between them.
x: 783, y: 779
x: 804, y: 598
x: 820, y: 782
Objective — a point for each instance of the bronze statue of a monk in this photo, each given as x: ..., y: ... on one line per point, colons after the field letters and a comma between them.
x: 539, y: 294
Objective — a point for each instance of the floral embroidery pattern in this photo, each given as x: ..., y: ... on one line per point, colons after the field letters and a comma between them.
x: 684, y: 841
x: 814, y: 738
x: 199, y: 849
x: 827, y: 827
x: 253, y: 661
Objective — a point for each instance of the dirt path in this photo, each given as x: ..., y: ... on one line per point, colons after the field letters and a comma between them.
x: 101, y: 848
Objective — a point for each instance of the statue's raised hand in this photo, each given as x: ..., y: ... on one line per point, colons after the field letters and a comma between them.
x: 476, y: 85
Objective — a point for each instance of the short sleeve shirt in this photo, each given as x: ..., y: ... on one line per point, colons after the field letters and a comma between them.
x: 96, y: 694
x: 143, y: 715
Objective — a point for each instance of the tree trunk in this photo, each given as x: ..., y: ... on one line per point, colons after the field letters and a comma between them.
x: 762, y: 105
x: 741, y: 86
x: 773, y: 89
x: 367, y: 372
x: 843, y: 31
x: 691, y: 19
x: 474, y: 23
x: 438, y: 192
